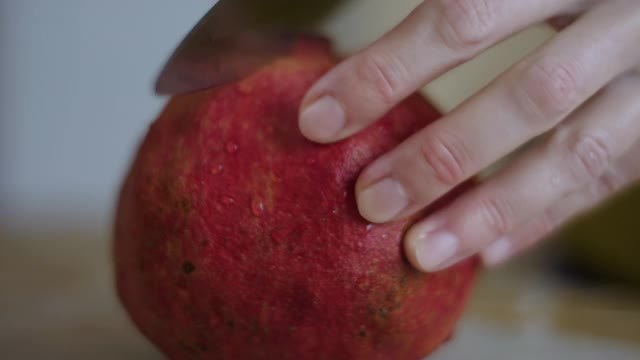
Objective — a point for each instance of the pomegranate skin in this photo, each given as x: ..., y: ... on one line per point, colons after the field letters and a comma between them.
x: 237, y: 238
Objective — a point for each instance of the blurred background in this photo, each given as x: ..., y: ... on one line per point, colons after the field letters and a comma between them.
x: 75, y: 100
x: 76, y: 97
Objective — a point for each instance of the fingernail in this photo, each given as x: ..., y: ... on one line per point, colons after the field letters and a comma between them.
x: 323, y: 119
x: 382, y: 201
x: 497, y: 252
x: 434, y: 251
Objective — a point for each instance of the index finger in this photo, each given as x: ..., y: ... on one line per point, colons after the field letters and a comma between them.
x: 437, y: 36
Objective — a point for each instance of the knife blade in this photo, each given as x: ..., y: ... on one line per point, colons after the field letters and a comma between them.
x: 235, y: 38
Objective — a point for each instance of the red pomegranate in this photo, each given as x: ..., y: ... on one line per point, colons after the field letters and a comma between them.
x: 236, y: 238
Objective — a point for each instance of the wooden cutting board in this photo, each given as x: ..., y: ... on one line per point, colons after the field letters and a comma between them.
x: 58, y: 302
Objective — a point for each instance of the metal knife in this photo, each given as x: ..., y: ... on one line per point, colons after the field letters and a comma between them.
x: 235, y: 38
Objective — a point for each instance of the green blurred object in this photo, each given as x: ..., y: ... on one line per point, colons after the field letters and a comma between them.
x: 606, y: 241
x: 294, y: 14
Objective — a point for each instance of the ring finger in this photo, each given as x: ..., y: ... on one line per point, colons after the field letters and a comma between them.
x: 575, y: 155
x: 625, y: 172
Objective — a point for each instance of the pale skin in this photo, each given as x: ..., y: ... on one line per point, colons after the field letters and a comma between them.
x: 580, y: 91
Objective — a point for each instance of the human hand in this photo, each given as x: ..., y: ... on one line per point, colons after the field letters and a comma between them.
x: 581, y: 90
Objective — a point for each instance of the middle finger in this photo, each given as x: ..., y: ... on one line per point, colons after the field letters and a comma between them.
x: 529, y: 99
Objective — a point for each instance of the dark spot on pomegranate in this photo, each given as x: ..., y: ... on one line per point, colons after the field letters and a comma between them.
x: 403, y: 280
x: 188, y: 267
x: 183, y: 205
x: 390, y: 296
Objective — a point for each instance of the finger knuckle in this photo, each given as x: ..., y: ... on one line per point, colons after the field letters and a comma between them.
x: 446, y: 156
x: 383, y: 73
x: 497, y: 214
x: 468, y: 24
x: 543, y: 226
x: 549, y: 91
x: 590, y: 156
x: 609, y: 183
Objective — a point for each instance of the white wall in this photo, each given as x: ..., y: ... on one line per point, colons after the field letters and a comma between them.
x: 75, y: 98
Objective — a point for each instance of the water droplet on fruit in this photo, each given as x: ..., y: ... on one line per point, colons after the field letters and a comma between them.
x: 231, y: 147
x: 279, y: 236
x: 217, y: 169
x: 227, y: 200
x: 257, y: 207
x: 369, y: 227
